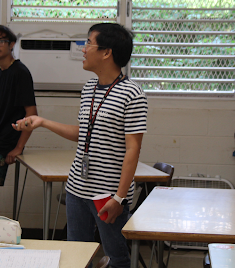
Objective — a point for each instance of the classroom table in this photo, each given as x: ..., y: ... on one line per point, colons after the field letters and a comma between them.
x: 222, y: 255
x: 54, y: 165
x: 182, y: 214
x: 50, y: 166
x: 73, y: 254
x: 146, y: 173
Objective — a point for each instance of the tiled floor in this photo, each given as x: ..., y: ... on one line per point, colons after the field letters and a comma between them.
x: 179, y: 258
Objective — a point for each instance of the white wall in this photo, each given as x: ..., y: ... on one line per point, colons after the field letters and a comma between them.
x: 195, y: 135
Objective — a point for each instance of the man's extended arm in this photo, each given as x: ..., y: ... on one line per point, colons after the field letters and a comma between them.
x: 69, y: 132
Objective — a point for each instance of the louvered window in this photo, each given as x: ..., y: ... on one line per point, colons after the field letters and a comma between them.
x: 184, y: 45
x: 64, y: 10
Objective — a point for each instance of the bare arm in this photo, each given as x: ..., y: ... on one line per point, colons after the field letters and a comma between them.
x: 69, y: 132
x: 133, y: 145
x: 10, y: 158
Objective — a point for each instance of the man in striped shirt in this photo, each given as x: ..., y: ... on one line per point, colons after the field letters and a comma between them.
x: 112, y: 120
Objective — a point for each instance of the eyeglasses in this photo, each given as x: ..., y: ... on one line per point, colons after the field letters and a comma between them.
x: 2, y: 42
x: 89, y: 45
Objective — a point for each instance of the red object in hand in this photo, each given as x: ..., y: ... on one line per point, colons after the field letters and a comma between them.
x: 99, y: 201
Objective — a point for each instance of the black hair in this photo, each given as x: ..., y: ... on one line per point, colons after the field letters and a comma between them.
x: 116, y: 37
x: 7, y: 33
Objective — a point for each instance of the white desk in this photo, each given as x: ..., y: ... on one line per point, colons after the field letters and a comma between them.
x: 73, y: 254
x: 222, y: 255
x: 182, y: 214
x: 54, y: 165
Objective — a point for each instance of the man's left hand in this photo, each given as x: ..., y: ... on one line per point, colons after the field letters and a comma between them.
x: 113, y: 208
x: 10, y: 158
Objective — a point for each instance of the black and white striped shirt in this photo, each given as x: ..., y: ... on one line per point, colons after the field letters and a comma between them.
x: 123, y: 112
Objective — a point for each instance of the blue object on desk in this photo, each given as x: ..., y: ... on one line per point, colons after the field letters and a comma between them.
x: 10, y: 246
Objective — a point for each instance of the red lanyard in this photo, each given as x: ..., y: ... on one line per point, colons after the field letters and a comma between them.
x: 92, y: 119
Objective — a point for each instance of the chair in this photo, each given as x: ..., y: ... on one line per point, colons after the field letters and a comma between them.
x: 103, y: 262
x: 169, y: 169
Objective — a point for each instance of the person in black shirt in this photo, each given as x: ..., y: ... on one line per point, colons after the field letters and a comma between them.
x: 17, y: 100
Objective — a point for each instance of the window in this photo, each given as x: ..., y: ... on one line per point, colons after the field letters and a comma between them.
x: 64, y: 10
x: 184, y: 45
x: 179, y: 45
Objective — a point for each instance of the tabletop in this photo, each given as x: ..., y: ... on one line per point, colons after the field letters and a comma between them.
x: 54, y: 165
x: 49, y: 165
x: 73, y: 254
x: 184, y: 214
x: 149, y: 174
x: 222, y: 255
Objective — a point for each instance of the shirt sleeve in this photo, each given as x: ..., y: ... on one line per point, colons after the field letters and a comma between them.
x: 24, y: 88
x: 136, y: 115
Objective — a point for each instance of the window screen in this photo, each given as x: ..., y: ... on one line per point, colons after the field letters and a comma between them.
x: 184, y: 45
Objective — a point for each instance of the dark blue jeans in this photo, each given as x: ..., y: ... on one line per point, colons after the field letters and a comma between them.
x: 82, y: 220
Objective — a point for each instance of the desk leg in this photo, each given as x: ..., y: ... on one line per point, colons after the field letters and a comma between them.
x: 160, y: 245
x: 17, y: 174
x: 46, y: 208
x: 135, y: 253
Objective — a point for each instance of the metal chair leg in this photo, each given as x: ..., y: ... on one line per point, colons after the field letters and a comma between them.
x: 154, y: 252
x: 169, y: 252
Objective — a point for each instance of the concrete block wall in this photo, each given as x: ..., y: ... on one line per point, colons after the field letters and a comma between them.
x: 195, y: 135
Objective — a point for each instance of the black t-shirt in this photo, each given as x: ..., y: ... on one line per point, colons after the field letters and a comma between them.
x: 16, y: 91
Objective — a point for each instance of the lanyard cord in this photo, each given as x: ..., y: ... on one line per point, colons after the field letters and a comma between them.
x: 92, y: 119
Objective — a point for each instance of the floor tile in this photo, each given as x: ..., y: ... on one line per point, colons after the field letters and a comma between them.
x: 179, y: 258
